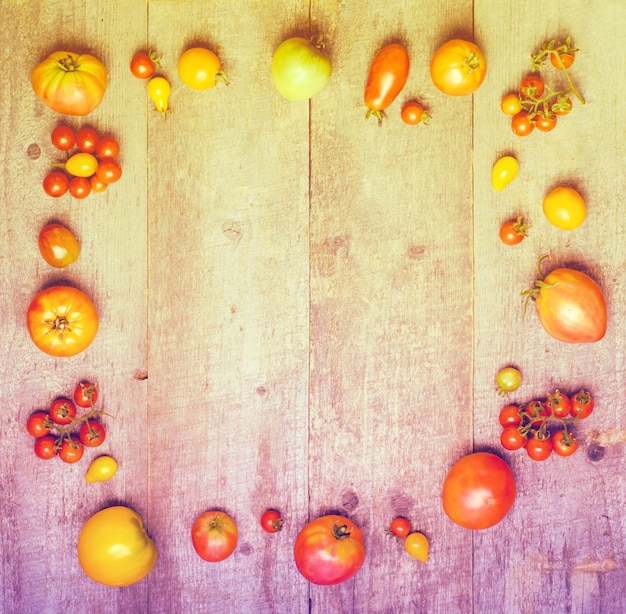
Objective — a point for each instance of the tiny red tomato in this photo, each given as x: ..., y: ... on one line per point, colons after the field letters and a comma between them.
x: 109, y: 170
x: 538, y: 449
x: 80, y: 187
x: 45, y: 447
x: 56, y: 184
x: 511, y: 104
x: 538, y: 410
x: 413, y: 113
x: 143, y: 65
x: 564, y: 444
x: 107, y: 147
x: 521, y: 124
x: 400, y: 527
x: 271, y: 521
x: 38, y: 424
x: 85, y: 394
x: 92, y: 433
x: 532, y: 86
x: 509, y: 416
x: 562, y: 106
x: 62, y: 411
x: 582, y: 404
x: 87, y: 140
x: 63, y: 137
x: 559, y: 403
x: 511, y: 438
x: 71, y: 450
x: 544, y: 123
x: 513, y: 232
x: 566, y: 59
x: 97, y: 185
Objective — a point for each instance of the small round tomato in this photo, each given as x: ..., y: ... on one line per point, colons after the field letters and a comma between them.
x: 562, y: 106
x: 97, y: 185
x: 511, y: 438
x: 80, y: 187
x: 565, y: 208
x: 71, y: 450
x: 400, y: 527
x: 532, y: 87
x: 85, y: 395
x: 559, y: 404
x: 513, y: 232
x: 508, y: 380
x: 521, y: 124
x: 58, y: 246
x: 62, y: 411
x: 38, y: 424
x: 582, y: 404
x: 92, y: 433
x: 544, y: 123
x: 538, y: 411
x: 63, y: 137
x: 109, y: 170
x: 56, y: 184
x: 564, y: 443
x: 458, y: 68
x: 214, y: 536
x: 503, y: 172
x: 45, y: 447
x: 143, y: 65
x: 479, y: 490
x: 413, y: 113
x: 107, y: 147
x: 562, y: 60
x: 416, y: 545
x: 510, y: 416
x: 511, y: 104
x: 200, y: 69
x: 538, y: 449
x: 271, y: 521
x: 87, y: 140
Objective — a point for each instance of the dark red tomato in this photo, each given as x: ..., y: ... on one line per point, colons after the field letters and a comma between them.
x: 62, y: 411
x: 564, y: 444
x: 532, y: 86
x: 538, y: 449
x: 85, y: 394
x: 387, y: 76
x: 56, y: 184
x: 45, y: 447
x: 271, y: 521
x: 144, y: 64
x: 63, y: 137
x: 71, y: 450
x: 400, y: 527
x: 545, y: 123
x: 509, y: 416
x: 38, y: 424
x: 109, y: 170
x: 329, y: 550
x: 92, y: 433
x: 582, y: 404
x: 80, y: 187
x: 478, y: 491
x: 107, y: 147
x: 521, y: 124
x: 87, y: 140
x: 513, y: 232
x: 511, y: 438
x: 559, y: 404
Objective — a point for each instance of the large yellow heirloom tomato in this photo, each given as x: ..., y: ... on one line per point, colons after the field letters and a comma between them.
x: 114, y: 548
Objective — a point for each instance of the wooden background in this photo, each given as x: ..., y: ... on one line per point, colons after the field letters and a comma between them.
x: 304, y: 311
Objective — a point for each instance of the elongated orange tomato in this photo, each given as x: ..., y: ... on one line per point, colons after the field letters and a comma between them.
x: 388, y: 74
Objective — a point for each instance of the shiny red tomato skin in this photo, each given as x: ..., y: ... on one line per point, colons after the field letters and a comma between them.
x: 71, y: 450
x: 45, y: 447
x: 478, y: 491
x: 388, y: 74
x: 538, y: 449
x: 509, y: 416
x: 62, y: 411
x: 37, y: 424
x: 56, y: 184
x: 91, y: 433
x: 521, y: 124
x: 63, y: 137
x: 142, y: 65
x: 214, y: 536
x: 329, y: 550
x: 85, y: 394
x: 564, y: 445
x: 271, y: 521
x: 582, y: 405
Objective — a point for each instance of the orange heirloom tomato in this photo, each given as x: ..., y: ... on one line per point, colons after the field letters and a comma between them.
x: 458, y: 67
x: 58, y: 245
x: 329, y: 550
x: 214, y: 536
x: 200, y: 69
x: 62, y: 321
x: 70, y: 83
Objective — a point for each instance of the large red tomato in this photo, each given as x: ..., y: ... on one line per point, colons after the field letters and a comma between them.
x: 70, y: 83
x: 62, y: 321
x: 570, y: 305
x: 214, y: 536
x: 329, y: 550
x: 478, y: 491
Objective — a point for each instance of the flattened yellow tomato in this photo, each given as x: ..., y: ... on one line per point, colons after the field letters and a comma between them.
x: 101, y: 469
x: 503, y: 172
x: 565, y: 208
x: 114, y: 548
x: 58, y: 246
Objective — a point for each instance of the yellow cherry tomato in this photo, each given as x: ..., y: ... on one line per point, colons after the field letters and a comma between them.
x: 511, y: 104
x: 114, y: 548
x: 565, y: 208
x: 82, y: 165
x: 102, y: 468
x: 503, y: 172
x: 416, y: 545
x: 508, y: 380
x: 159, y: 90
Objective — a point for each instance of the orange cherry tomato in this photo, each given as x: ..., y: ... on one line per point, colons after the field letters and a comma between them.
x: 458, y: 67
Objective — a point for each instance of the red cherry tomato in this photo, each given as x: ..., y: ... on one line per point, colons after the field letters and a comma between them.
x: 413, y: 113
x: 144, y: 64
x: 582, y: 404
x: 38, y: 424
x: 62, y: 411
x: 559, y: 404
x: 87, y: 140
x: 509, y: 416
x: 511, y: 438
x: 92, y: 433
x: 400, y: 527
x: 521, y: 124
x: 63, y: 137
x: 532, y: 86
x: 107, y: 147
x: 271, y: 521
x: 45, y: 447
x: 71, y: 450
x: 56, y: 184
x: 85, y: 394
x: 538, y: 449
x: 109, y: 170
x: 80, y: 187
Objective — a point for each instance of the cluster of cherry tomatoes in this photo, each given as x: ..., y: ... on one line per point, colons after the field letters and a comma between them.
x: 537, y: 105
x: 62, y: 432
x: 544, y: 426
x: 91, y: 169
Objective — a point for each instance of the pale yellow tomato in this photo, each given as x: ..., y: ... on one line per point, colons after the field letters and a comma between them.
x: 503, y: 172
x: 565, y: 208
x: 101, y: 469
x: 416, y: 545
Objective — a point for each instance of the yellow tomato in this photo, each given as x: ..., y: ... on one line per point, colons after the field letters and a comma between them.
x: 200, y: 69
x: 416, y: 545
x: 114, y: 548
x: 458, y: 67
x: 82, y: 165
x: 101, y: 469
x: 511, y: 104
x: 503, y: 172
x: 565, y: 208
x: 159, y: 90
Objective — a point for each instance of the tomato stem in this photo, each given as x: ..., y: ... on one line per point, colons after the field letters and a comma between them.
x: 340, y: 531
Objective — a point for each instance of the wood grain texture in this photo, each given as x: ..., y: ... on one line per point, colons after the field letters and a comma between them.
x: 302, y: 310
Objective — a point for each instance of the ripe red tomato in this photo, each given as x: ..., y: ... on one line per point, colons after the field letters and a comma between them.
x: 62, y: 411
x: 521, y: 124
x: 109, y: 170
x: 539, y: 410
x: 87, y: 140
x: 458, y: 67
x: 513, y: 232
x: 478, y: 491
x: 271, y: 521
x: 63, y: 137
x: 91, y: 433
x: 56, y: 184
x: 45, y: 447
x: 71, y: 450
x: 400, y: 527
x: 559, y: 404
x: 97, y: 185
x: 511, y: 438
x: 329, y: 550
x: 532, y: 86
x: 564, y: 444
x: 143, y: 65
x: 214, y: 536
x: 387, y: 76
x: 80, y: 187
x: 582, y: 405
x: 107, y: 147
x: 85, y: 394
x: 509, y: 416
x: 544, y: 123
x: 538, y: 449
x: 38, y: 424
x: 413, y: 113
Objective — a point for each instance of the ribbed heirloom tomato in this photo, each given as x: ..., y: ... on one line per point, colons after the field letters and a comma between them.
x: 458, y: 67
x: 329, y: 550
x: 214, y: 536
